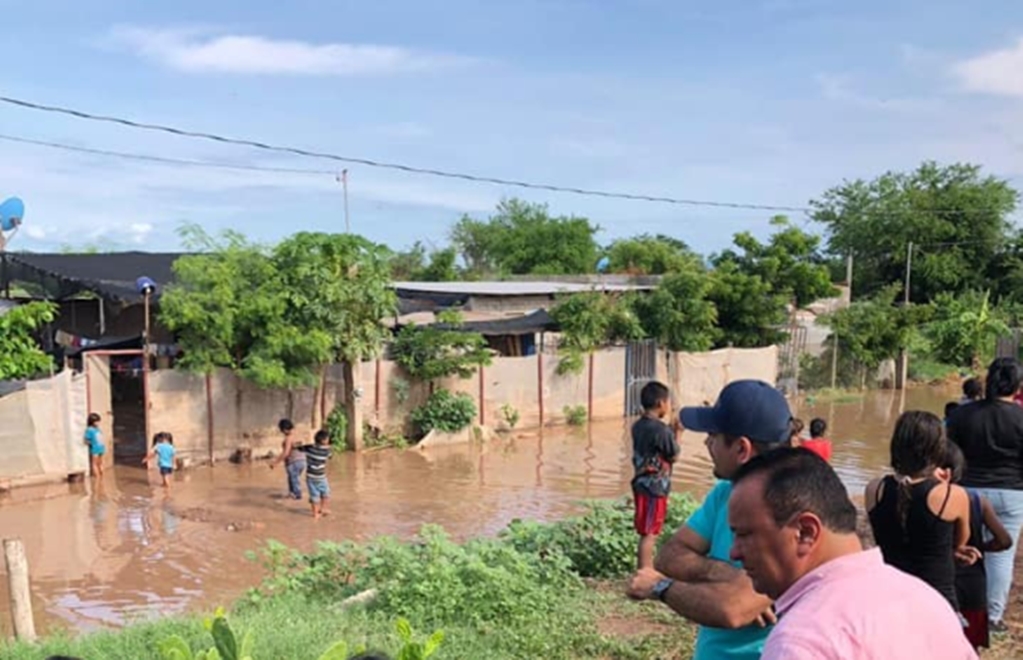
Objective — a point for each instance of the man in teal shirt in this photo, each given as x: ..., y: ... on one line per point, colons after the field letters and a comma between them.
x: 694, y: 575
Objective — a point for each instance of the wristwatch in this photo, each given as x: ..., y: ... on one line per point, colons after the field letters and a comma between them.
x: 660, y: 591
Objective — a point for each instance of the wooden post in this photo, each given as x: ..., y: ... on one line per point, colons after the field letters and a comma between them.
x: 483, y: 418
x: 376, y: 391
x: 589, y: 390
x: 209, y: 414
x: 539, y: 379
x: 21, y: 595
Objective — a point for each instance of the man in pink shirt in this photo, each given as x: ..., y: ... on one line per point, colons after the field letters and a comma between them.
x: 795, y: 534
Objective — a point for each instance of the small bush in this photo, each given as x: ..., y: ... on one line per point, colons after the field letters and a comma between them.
x: 601, y: 543
x: 576, y: 415
x: 336, y: 425
x: 510, y: 415
x: 445, y: 411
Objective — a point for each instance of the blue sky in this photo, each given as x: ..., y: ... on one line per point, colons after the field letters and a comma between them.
x: 760, y: 101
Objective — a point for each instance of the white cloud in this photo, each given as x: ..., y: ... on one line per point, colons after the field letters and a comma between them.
x: 997, y: 72
x: 139, y: 231
x: 840, y: 89
x: 34, y: 231
x: 199, y: 51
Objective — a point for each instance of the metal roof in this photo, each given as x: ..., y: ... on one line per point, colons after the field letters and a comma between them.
x: 510, y: 288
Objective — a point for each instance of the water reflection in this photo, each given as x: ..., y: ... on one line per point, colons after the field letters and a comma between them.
x: 122, y: 550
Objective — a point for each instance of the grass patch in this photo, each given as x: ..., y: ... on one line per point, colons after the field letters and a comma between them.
x: 529, y: 593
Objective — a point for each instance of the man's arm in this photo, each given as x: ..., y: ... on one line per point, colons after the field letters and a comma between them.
x: 731, y: 604
x: 684, y: 558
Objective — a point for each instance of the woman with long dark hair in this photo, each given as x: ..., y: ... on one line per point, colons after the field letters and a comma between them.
x: 990, y: 433
x: 920, y: 523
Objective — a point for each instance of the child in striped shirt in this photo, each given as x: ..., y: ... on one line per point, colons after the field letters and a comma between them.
x: 317, y: 456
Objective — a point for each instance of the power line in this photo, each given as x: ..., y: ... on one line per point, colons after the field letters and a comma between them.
x: 395, y: 166
x: 297, y: 151
x: 163, y: 159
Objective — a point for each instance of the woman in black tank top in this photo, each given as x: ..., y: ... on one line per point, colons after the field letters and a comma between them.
x: 918, y: 521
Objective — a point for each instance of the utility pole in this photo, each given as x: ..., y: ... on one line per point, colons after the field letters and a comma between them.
x: 343, y: 180
x: 902, y: 370
x: 834, y: 348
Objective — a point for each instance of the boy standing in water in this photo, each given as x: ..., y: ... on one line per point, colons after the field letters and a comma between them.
x: 654, y: 450
x: 163, y: 451
x: 316, y: 473
x: 817, y: 443
x: 293, y: 459
x: 94, y: 440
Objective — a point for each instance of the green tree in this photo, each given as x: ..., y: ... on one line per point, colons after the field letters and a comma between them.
x: 590, y: 320
x: 965, y: 329
x: 218, y: 302
x: 278, y: 316
x: 416, y: 265
x: 439, y: 351
x: 749, y: 312
x: 679, y: 313
x: 649, y: 255
x: 524, y: 239
x: 876, y: 329
x: 20, y: 355
x: 956, y: 216
x: 790, y: 262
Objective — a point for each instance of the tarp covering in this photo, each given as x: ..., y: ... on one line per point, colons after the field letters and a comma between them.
x: 110, y: 275
x: 41, y: 428
x: 538, y: 321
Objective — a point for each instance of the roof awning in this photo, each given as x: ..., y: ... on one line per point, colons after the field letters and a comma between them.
x: 110, y: 276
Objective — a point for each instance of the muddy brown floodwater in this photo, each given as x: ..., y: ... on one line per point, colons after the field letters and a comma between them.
x: 123, y: 550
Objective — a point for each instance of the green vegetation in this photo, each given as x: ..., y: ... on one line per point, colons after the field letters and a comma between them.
x: 524, y: 239
x: 510, y: 415
x: 276, y: 316
x: 576, y: 415
x: 445, y: 411
x: 20, y: 355
x: 336, y: 425
x: 529, y: 593
x: 428, y: 353
x: 589, y: 321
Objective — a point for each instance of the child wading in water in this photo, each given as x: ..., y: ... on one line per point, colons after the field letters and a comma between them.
x: 163, y: 451
x: 654, y: 450
x: 317, y: 456
x: 920, y: 523
x: 817, y: 443
x: 94, y: 440
x: 971, y: 580
x: 293, y: 459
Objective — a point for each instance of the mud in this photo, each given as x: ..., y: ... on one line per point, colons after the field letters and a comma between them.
x: 121, y: 550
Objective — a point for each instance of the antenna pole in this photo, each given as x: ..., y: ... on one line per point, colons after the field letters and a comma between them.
x: 344, y: 186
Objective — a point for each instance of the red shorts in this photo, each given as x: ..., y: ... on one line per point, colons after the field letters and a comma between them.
x: 977, y: 630
x: 650, y: 512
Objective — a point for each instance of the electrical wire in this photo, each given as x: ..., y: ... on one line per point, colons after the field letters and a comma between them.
x: 396, y: 166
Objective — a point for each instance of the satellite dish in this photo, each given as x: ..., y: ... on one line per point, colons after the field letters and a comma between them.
x: 11, y: 212
x: 603, y: 265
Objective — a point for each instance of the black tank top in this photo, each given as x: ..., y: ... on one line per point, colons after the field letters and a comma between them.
x: 924, y: 546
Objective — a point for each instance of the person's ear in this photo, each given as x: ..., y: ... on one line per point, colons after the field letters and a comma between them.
x: 744, y: 450
x: 809, y: 530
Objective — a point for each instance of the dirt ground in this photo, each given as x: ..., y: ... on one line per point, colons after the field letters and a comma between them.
x: 1011, y: 646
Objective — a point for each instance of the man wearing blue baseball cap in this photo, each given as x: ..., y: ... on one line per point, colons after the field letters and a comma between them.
x: 694, y: 574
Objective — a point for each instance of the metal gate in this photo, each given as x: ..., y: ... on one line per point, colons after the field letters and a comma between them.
x: 640, y: 369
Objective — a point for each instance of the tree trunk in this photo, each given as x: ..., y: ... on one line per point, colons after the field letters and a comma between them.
x: 353, y: 407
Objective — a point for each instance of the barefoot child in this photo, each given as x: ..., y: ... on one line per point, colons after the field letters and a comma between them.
x: 94, y: 440
x: 163, y: 451
x: 293, y: 459
x: 316, y: 473
x: 654, y: 450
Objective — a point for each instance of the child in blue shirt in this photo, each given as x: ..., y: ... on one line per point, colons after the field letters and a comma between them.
x: 94, y: 440
x: 163, y: 452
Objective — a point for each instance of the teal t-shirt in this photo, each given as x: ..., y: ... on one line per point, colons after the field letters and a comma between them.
x: 94, y: 438
x: 164, y: 454
x: 711, y: 522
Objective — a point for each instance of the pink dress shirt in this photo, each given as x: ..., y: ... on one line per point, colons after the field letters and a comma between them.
x: 859, y: 608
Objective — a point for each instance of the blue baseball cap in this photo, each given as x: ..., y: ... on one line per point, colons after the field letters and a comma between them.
x: 745, y: 408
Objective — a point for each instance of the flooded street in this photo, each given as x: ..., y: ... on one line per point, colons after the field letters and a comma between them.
x: 106, y: 555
